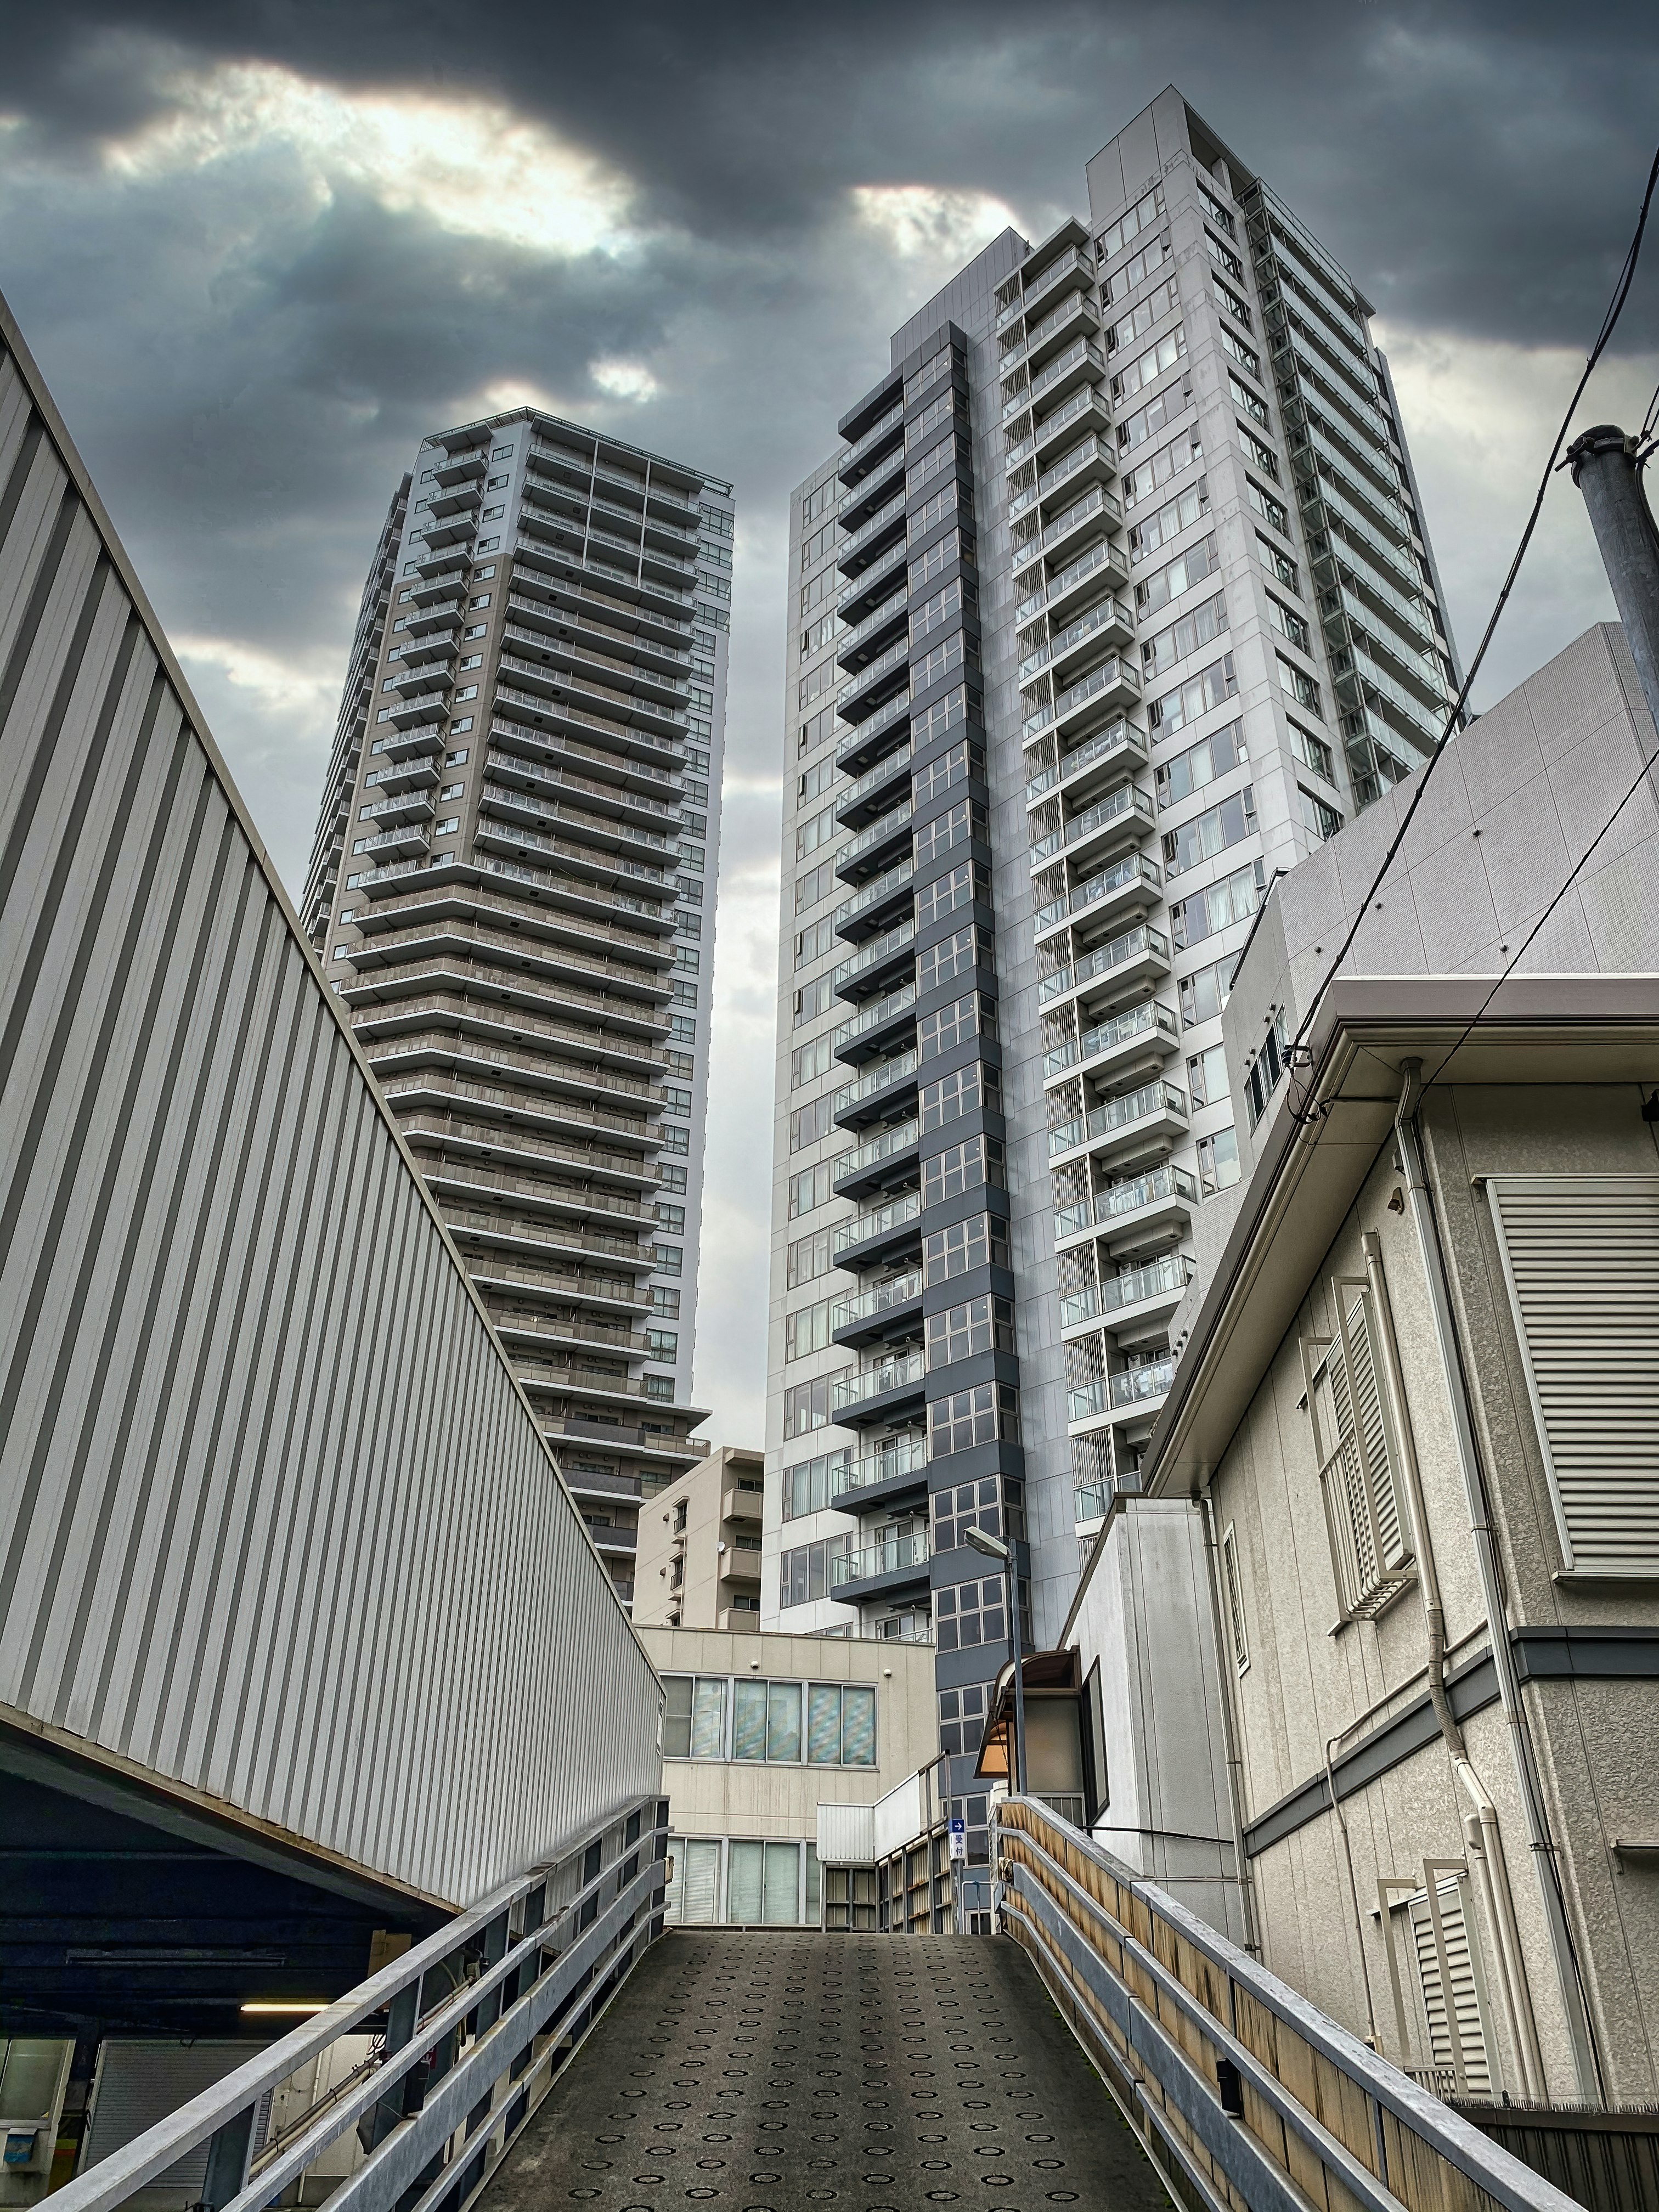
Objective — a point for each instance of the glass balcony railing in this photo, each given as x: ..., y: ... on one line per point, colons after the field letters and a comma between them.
x: 902, y: 1455
x: 1151, y: 1100
x: 1139, y: 1021
x: 899, y: 651
x: 875, y: 1016
x: 872, y: 527
x: 878, y: 832
x: 876, y: 1382
x: 898, y: 1136
x: 1107, y: 1207
x: 875, y: 1220
x: 872, y: 437
x: 1127, y: 874
x: 873, y: 779
x: 1107, y: 615
x: 1097, y: 501
x: 897, y: 1552
x: 1118, y: 737
x: 1127, y: 803
x: 872, y: 954
x: 1113, y: 673
x: 1051, y: 425
x: 878, y: 889
x: 1156, y: 1279
x: 1075, y: 572
x: 1132, y: 1386
x: 897, y: 1291
x: 871, y: 728
x: 1102, y: 961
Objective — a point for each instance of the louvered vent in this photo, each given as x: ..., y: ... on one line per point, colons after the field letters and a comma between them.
x: 1581, y: 1256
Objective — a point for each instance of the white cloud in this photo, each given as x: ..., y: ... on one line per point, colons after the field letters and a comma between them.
x: 625, y: 380
x: 929, y: 222
x: 300, y: 690
x: 470, y: 165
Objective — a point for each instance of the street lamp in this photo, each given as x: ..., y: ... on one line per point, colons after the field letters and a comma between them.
x: 994, y: 1549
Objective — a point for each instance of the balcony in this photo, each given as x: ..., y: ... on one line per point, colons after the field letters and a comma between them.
x: 1125, y: 812
x: 1075, y: 317
x: 854, y: 553
x: 879, y: 834
x: 855, y: 751
x: 1138, y: 1293
x: 408, y: 806
x: 902, y: 1458
x: 876, y: 1086
x: 1074, y: 264
x: 1156, y: 1110
x: 863, y: 685
x: 429, y: 707
x: 856, y: 1394
x: 851, y: 803
x: 879, y: 952
x: 1114, y: 682
x: 850, y: 646
x: 1109, y: 622
x: 1133, y: 1391
x: 1121, y: 1037
x: 873, y: 1308
x: 411, y: 838
x: 1103, y: 564
x: 1149, y: 1201
x: 876, y: 1221
x: 1096, y: 510
x: 898, y: 1136
x: 1081, y: 360
x: 859, y: 459
x: 1132, y: 881
x: 1120, y: 745
x: 873, y: 1025
x: 875, y: 584
x: 886, y: 1565
x: 881, y: 890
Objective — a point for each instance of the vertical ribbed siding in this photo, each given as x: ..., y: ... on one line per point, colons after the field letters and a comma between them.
x: 274, y: 1521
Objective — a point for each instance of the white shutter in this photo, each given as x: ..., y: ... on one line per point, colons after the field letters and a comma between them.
x: 1458, y: 2038
x: 1353, y: 1438
x: 139, y: 2082
x: 1369, y: 1423
x: 1581, y: 1258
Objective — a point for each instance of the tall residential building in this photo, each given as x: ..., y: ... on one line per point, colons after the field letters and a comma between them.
x: 508, y: 890
x: 698, y: 1564
x: 1115, y: 601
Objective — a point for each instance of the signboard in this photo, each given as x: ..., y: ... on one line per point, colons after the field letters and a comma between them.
x: 958, y: 1839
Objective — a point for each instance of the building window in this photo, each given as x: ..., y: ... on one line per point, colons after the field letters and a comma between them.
x: 1212, y: 687
x: 1178, y: 577
x: 803, y: 1574
x: 1201, y: 764
x: 1206, y: 1076
x: 808, y: 1488
x: 1205, y: 913
x: 1313, y: 752
x: 979, y: 1242
x: 808, y: 1329
x: 806, y: 1405
x: 1318, y: 815
x: 954, y: 1095
x: 972, y: 1613
x: 810, y: 1189
x: 1296, y: 685
x: 1218, y: 1161
x: 988, y: 1413
x: 694, y: 1716
x: 962, y: 1720
x: 1209, y: 833
x: 951, y: 766
x: 978, y: 1505
x: 982, y: 1324
x: 971, y: 1017
x: 966, y: 883
x: 1201, y: 627
x: 961, y: 1167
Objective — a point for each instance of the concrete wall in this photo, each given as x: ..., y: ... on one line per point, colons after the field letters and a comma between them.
x: 1514, y: 801
x: 717, y: 1566
x: 256, y: 1538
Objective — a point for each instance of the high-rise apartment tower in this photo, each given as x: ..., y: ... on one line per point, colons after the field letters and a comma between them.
x: 1115, y: 598
x: 512, y: 889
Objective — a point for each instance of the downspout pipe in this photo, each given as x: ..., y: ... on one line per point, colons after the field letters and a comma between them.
x: 1480, y: 1828
x: 1587, y: 2063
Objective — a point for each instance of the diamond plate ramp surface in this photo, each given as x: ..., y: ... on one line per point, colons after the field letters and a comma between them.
x: 793, y: 2072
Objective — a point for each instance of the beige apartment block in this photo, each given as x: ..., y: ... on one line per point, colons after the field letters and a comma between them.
x: 1417, y: 1409
x: 759, y: 1731
x: 699, y: 1560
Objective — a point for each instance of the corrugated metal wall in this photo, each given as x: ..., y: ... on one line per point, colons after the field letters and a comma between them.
x: 274, y: 1521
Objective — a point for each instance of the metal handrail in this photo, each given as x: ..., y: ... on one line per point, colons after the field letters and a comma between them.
x: 1154, y: 1994
x: 511, y: 1930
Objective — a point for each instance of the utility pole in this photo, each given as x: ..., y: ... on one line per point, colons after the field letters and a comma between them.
x: 1603, y: 463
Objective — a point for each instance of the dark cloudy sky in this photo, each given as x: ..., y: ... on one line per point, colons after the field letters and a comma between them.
x: 260, y: 250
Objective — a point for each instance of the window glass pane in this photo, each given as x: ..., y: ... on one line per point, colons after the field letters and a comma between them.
x: 749, y: 1720
x: 783, y: 1720
x: 858, y: 1726
x: 824, y: 1724
x: 782, y: 1901
x: 813, y: 1913
x: 708, y: 1721
x: 744, y: 1874
x: 701, y: 1882
x: 676, y: 1717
